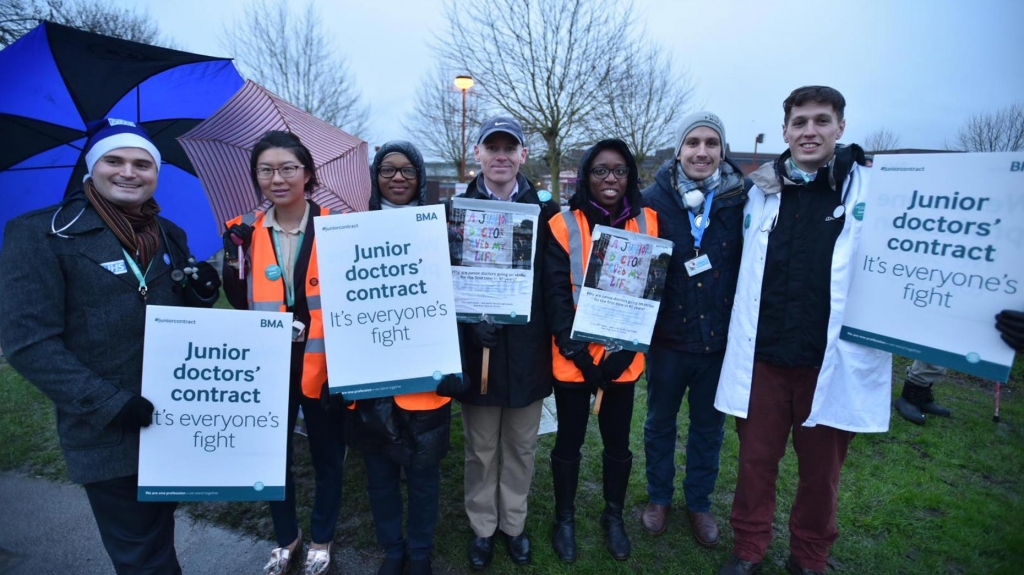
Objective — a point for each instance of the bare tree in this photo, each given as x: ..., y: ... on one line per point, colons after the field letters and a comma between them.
x: 644, y: 105
x: 1002, y: 131
x: 881, y: 140
x: 292, y: 57
x: 545, y: 62
x: 17, y: 17
x: 436, y: 120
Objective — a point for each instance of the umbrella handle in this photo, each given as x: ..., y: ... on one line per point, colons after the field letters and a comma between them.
x: 597, y: 402
x: 241, y: 263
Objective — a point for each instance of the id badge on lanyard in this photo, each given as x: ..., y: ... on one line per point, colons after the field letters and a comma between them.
x: 700, y: 262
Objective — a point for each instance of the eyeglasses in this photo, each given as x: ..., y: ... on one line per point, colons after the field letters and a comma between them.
x: 602, y: 172
x: 287, y: 172
x: 389, y: 172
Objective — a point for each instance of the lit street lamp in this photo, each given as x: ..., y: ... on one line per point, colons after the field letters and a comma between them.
x: 463, y: 83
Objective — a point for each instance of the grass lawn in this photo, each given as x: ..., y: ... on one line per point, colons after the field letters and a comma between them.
x: 942, y: 498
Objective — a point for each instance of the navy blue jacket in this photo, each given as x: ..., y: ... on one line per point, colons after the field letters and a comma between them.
x: 694, y: 314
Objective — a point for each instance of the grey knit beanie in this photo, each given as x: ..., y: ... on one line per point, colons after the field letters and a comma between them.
x: 698, y: 119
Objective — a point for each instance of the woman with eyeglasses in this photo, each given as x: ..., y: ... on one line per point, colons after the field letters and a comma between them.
x: 270, y: 264
x: 405, y: 433
x: 607, y: 193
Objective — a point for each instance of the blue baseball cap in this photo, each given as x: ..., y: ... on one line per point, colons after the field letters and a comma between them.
x: 502, y: 124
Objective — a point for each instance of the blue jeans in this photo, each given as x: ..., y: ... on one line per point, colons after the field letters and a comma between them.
x: 382, y: 484
x: 669, y: 374
x: 326, y: 436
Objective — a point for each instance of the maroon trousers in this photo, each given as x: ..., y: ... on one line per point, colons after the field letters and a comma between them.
x: 780, y: 401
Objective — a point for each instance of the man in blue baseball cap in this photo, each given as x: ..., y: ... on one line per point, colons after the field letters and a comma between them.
x: 72, y: 317
x: 507, y: 417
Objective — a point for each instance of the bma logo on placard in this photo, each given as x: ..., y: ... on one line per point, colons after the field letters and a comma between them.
x: 1017, y: 166
x: 272, y: 323
x: 425, y: 217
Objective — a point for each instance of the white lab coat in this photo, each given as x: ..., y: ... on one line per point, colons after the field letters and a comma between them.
x: 855, y: 382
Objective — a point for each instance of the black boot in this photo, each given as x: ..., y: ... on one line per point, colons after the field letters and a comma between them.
x: 926, y: 403
x: 566, y: 476
x: 616, y: 480
x: 906, y: 404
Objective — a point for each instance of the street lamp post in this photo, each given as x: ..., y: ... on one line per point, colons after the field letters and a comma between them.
x: 758, y: 140
x: 463, y: 83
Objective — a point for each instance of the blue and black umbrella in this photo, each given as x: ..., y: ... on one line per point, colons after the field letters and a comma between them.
x: 56, y: 79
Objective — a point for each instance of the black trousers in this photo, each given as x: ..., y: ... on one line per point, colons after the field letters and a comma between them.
x: 573, y: 404
x: 138, y: 536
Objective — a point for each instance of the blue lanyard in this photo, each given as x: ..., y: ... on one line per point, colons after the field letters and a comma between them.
x: 698, y: 230
x: 143, y: 290
x: 289, y: 283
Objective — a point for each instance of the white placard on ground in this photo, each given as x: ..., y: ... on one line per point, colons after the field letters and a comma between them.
x: 219, y: 382
x: 941, y: 253
x: 386, y: 295
x: 492, y: 246
x: 621, y: 294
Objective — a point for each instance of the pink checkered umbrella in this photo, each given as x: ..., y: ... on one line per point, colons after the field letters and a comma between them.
x: 220, y: 146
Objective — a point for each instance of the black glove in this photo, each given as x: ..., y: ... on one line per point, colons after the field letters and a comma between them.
x: 137, y: 412
x: 236, y: 235
x: 452, y: 385
x: 1010, y: 324
x: 592, y: 376
x: 332, y: 402
x: 205, y: 280
x: 486, y: 334
x: 614, y: 364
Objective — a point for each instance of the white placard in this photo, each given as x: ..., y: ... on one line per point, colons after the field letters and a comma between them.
x: 219, y: 382
x: 386, y: 293
x: 492, y: 248
x: 941, y: 253
x: 625, y: 277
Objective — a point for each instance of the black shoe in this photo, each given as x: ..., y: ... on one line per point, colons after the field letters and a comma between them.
x: 926, y: 403
x: 907, y: 404
x: 420, y: 567
x: 519, y: 548
x: 737, y: 566
x: 616, y: 479
x: 909, y: 411
x: 392, y: 566
x: 481, y: 551
x: 566, y: 476
x: 796, y: 569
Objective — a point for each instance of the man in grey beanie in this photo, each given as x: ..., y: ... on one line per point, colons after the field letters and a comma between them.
x: 699, y: 196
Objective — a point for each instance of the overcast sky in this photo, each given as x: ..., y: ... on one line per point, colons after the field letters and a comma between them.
x: 916, y: 67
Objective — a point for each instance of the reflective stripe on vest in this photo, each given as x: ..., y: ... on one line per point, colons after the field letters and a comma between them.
x: 575, y: 253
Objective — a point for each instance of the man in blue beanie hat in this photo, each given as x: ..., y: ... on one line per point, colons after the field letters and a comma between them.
x: 72, y: 319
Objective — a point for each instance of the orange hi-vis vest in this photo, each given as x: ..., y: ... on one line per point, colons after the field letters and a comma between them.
x: 572, y: 231
x: 268, y: 295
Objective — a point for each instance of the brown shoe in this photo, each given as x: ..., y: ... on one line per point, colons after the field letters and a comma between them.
x: 654, y: 518
x: 705, y: 529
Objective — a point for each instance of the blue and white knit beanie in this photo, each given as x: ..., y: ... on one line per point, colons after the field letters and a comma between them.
x: 110, y: 134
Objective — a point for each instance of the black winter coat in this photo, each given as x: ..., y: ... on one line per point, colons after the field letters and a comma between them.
x: 520, y: 368
x: 75, y: 329
x: 695, y: 311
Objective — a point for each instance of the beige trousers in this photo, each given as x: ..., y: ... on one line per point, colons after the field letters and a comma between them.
x: 493, y: 502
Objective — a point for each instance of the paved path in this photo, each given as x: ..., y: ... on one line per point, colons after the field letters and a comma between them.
x: 47, y: 528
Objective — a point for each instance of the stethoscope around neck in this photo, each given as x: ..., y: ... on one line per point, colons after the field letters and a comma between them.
x: 177, y: 273
x: 837, y: 213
